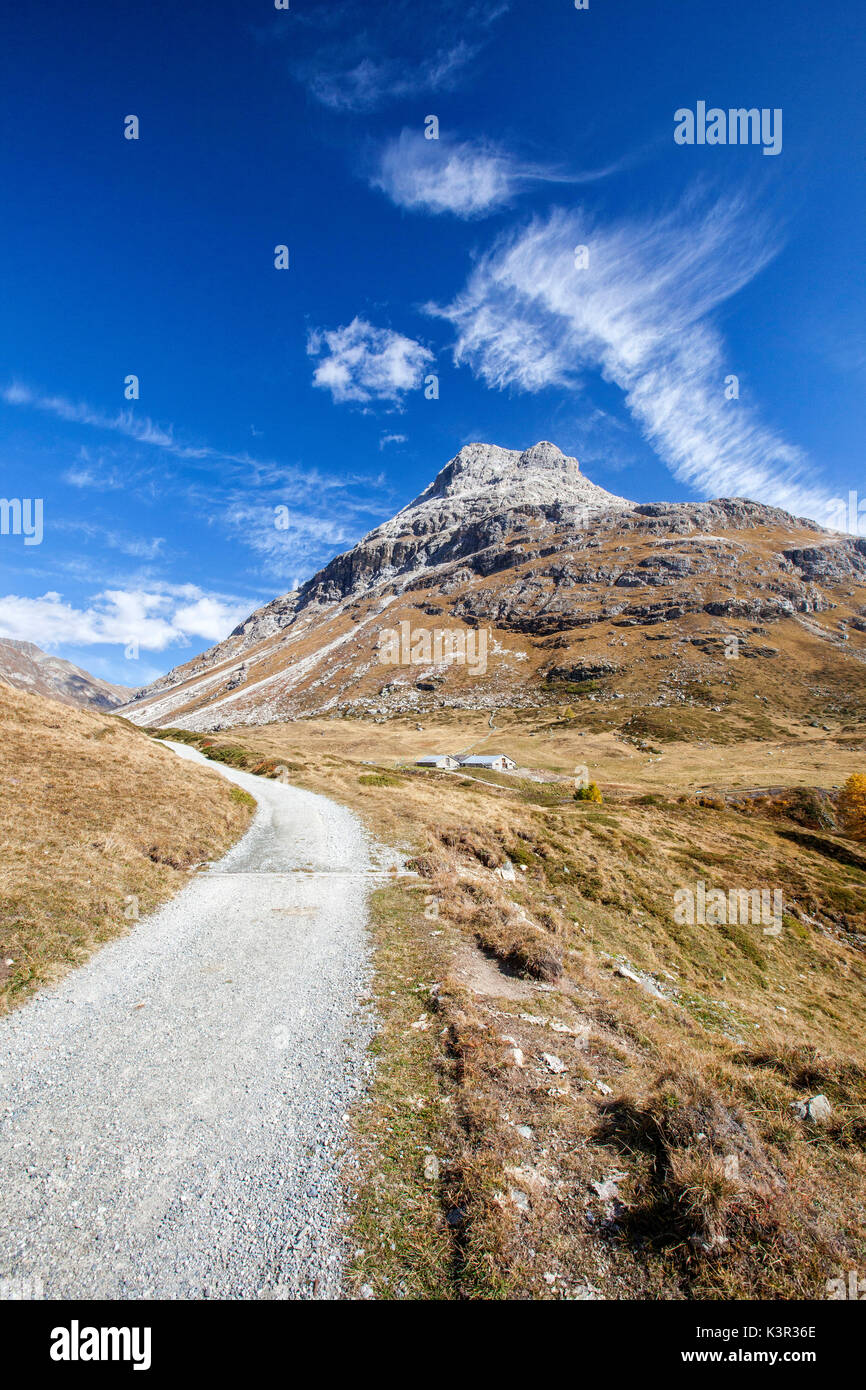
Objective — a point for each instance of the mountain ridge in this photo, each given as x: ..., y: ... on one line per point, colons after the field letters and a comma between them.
x: 524, y: 545
x: 24, y: 666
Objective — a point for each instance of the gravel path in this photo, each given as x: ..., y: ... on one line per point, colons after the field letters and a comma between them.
x: 172, y: 1113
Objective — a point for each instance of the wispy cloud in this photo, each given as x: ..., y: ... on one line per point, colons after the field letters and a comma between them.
x: 138, y: 547
x: 604, y: 441
x: 221, y: 469
x: 640, y: 313
x: 293, y: 542
x: 90, y: 472
x: 140, y: 428
x: 467, y: 179
x: 236, y: 493
x: 373, y: 82
x: 361, y: 363
x: 391, y: 53
x: 157, y: 617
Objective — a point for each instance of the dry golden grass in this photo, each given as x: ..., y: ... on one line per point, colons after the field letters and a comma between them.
x: 781, y: 752
x: 401, y: 1239
x: 96, y: 821
x: 722, y: 1191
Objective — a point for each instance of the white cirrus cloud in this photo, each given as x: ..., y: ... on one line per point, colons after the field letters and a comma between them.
x: 467, y: 179
x: 157, y: 617
x: 353, y: 56
x: 139, y: 547
x: 371, y: 82
x: 640, y: 314
x: 292, y: 540
x: 139, y: 428
x: 361, y: 363
x: 89, y: 471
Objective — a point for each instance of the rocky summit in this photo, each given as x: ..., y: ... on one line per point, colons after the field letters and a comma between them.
x: 514, y: 580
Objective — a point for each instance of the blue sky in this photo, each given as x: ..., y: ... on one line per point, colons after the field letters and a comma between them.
x: 304, y: 388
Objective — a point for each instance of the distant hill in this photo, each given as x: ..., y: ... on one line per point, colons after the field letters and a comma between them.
x: 26, y: 667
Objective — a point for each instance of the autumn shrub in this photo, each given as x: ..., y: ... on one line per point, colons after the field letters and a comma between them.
x: 852, y: 806
x: 592, y: 792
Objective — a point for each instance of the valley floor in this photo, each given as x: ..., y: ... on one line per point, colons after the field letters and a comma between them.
x: 577, y: 1094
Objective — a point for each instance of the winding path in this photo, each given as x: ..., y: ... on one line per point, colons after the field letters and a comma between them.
x: 172, y: 1114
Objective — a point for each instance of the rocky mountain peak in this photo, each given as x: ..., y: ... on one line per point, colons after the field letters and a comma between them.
x: 539, y: 476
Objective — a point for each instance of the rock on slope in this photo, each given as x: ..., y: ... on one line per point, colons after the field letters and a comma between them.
x: 566, y: 581
x: 26, y: 667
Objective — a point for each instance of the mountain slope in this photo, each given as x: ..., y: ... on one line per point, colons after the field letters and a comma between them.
x: 97, y: 826
x: 26, y: 667
x: 559, y: 582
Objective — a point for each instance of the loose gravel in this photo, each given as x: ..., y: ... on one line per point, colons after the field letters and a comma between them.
x: 173, y: 1114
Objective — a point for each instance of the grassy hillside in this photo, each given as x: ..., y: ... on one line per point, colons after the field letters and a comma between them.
x: 97, y: 822
x: 577, y: 1094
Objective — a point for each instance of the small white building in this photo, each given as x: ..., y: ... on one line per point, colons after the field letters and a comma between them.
x: 438, y: 760
x: 494, y: 762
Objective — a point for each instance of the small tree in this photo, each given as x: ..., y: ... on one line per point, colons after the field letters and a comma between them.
x: 592, y: 792
x: 852, y: 806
